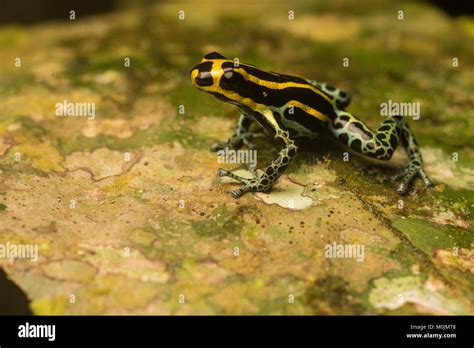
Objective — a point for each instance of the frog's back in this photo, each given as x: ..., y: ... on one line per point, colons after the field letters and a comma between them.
x: 298, y: 106
x: 272, y: 76
x: 282, y: 89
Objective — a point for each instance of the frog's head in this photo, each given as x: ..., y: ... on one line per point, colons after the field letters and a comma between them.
x: 219, y: 76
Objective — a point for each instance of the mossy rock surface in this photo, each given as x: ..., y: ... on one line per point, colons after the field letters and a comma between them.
x: 126, y: 208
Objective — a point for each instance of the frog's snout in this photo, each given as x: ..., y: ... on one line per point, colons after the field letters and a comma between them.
x: 201, y: 75
x: 194, y: 74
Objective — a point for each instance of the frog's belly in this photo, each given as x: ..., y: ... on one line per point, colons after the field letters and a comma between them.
x: 299, y: 130
x: 300, y: 125
x: 306, y: 136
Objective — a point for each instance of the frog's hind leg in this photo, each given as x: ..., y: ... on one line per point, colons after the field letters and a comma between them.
x: 341, y: 98
x: 382, y: 143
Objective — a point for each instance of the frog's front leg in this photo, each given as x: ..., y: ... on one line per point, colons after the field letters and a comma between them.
x: 242, y: 136
x: 382, y: 143
x: 264, y: 181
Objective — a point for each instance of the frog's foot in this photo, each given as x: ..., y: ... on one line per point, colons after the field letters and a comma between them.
x: 408, y: 174
x: 237, y: 141
x: 255, y: 184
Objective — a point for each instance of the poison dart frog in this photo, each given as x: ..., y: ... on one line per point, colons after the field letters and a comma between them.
x: 292, y: 108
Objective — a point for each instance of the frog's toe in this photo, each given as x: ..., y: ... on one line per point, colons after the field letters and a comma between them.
x: 426, y: 179
x: 222, y: 172
x: 239, y: 192
x: 250, y: 186
x: 407, y: 175
x: 400, y: 174
x: 255, y: 184
x: 404, y: 185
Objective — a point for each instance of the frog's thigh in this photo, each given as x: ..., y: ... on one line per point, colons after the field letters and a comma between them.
x: 353, y: 133
x: 381, y: 143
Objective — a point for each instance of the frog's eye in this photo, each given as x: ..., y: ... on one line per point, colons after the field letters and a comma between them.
x: 230, y: 79
x: 204, y: 79
x: 228, y: 74
x: 201, y: 74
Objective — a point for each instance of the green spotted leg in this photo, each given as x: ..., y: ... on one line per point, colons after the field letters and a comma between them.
x: 264, y: 181
x: 242, y: 136
x: 382, y: 143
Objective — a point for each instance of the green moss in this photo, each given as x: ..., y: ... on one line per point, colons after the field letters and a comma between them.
x: 157, y: 134
x: 276, y: 230
x: 318, y: 222
x: 388, y: 60
x: 198, y: 103
x: 428, y: 236
x: 221, y: 223
x: 169, y: 224
x: 403, y: 254
x: 459, y: 200
x: 12, y: 83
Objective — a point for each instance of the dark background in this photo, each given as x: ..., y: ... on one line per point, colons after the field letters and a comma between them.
x: 31, y: 11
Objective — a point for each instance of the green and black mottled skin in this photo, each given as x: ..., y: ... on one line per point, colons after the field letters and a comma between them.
x: 292, y: 108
